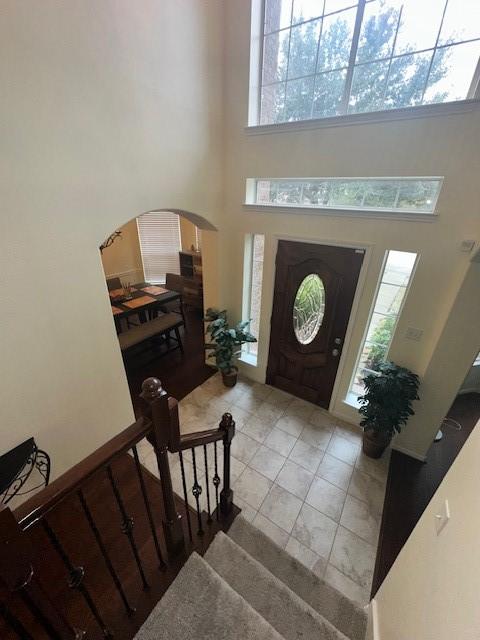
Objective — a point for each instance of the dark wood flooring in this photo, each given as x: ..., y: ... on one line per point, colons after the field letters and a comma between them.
x: 411, y: 483
x: 180, y: 374
x: 69, y: 523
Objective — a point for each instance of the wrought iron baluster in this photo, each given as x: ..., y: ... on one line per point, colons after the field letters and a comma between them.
x: 75, y: 577
x: 88, y: 514
x: 185, y: 496
x: 216, y: 479
x: 127, y: 526
x: 14, y: 623
x: 147, y: 508
x: 197, y: 492
x: 207, y: 481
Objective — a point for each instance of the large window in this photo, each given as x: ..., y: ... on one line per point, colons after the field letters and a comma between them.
x: 159, y: 236
x: 252, y: 288
x: 396, y: 276
x: 324, y: 58
x: 396, y: 195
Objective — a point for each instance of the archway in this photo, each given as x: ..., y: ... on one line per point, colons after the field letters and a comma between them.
x: 170, y: 250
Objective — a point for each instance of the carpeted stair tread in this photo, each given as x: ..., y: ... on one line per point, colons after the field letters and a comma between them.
x: 200, y: 605
x: 341, y: 612
x: 293, y: 618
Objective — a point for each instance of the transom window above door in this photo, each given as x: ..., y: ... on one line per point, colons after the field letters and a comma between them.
x: 324, y: 58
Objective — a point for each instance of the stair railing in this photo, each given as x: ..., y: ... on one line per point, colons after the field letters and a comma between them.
x: 18, y: 559
x: 163, y: 412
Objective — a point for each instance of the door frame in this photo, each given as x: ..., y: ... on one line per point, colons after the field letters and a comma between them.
x: 368, y: 248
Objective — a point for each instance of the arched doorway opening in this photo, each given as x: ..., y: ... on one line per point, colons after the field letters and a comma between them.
x: 160, y: 270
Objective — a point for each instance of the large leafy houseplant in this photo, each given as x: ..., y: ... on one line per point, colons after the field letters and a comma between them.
x: 386, y: 405
x: 227, y: 342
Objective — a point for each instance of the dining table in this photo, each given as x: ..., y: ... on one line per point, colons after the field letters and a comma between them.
x: 142, y: 299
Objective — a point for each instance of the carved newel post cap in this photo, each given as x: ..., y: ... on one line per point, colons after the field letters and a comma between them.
x: 152, y: 389
x: 227, y: 420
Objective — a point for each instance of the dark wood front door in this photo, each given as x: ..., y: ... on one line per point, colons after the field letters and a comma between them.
x: 314, y: 290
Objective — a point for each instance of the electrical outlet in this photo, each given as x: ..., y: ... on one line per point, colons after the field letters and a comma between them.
x: 414, y: 334
x: 442, y: 518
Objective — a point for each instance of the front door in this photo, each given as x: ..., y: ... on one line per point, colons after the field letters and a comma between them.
x: 314, y: 290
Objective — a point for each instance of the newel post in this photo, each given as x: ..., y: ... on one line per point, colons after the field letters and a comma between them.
x: 157, y: 399
x: 227, y: 425
x: 17, y: 575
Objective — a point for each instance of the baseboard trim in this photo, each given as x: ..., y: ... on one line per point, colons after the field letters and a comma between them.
x: 409, y: 452
x: 374, y: 624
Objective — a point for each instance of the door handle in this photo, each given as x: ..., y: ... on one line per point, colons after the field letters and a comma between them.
x: 338, y: 341
x: 335, y: 352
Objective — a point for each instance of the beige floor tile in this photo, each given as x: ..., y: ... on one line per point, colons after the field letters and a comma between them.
x: 335, y: 471
x: 280, y: 441
x: 358, y: 518
x: 261, y: 391
x: 345, y: 585
x: 306, y: 455
x: 279, y: 398
x: 248, y: 402
x: 353, y: 557
x: 281, y: 507
x: 300, y: 408
x: 315, y: 530
x: 275, y: 533
x: 343, y: 449
x: 257, y: 428
x: 327, y: 498
x: 302, y: 553
x: 349, y: 431
x: 240, y: 416
x: 268, y: 413
x: 295, y: 479
x: 252, y: 487
x: 248, y: 512
x: 369, y: 489
x: 321, y: 418
x: 267, y: 462
x: 378, y: 468
x: 237, y: 467
x: 316, y: 436
x: 291, y: 424
x: 243, y: 447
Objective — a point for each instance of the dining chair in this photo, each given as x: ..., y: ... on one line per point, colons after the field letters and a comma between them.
x: 114, y: 283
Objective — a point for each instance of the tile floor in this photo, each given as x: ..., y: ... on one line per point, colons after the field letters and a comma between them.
x: 298, y: 474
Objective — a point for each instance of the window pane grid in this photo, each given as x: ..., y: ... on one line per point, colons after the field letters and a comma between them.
x: 405, y: 75
x: 381, y: 326
x: 407, y: 195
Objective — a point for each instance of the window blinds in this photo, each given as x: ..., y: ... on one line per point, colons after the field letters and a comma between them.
x: 159, y: 236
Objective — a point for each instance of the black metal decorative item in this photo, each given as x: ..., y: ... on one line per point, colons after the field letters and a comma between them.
x: 110, y: 240
x: 16, y: 467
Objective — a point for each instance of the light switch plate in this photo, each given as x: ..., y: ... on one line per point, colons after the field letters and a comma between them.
x: 442, y: 517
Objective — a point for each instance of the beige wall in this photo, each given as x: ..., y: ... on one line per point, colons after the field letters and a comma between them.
x: 123, y: 258
x: 431, y: 592
x: 103, y: 117
x: 187, y: 233
x: 446, y: 145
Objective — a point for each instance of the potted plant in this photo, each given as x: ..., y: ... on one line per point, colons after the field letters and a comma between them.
x: 227, y: 343
x: 386, y: 405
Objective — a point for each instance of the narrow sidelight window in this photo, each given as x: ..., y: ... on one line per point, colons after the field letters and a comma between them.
x: 393, y: 285
x: 252, y: 287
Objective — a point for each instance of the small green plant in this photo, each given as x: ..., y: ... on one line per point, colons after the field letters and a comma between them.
x: 387, y: 402
x: 380, y: 340
x: 227, y: 341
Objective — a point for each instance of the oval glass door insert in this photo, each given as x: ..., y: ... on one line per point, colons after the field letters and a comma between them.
x: 308, y: 308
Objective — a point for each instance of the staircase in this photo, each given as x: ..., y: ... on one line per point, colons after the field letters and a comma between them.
x: 246, y: 587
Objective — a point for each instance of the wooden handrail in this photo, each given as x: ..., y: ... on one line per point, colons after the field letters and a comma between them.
x: 41, y: 503
x: 198, y: 438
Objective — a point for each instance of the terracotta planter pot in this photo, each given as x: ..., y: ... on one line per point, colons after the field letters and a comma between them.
x: 229, y: 379
x: 374, y: 445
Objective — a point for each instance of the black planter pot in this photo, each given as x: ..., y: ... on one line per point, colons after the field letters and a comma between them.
x: 373, y: 445
x: 229, y: 379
